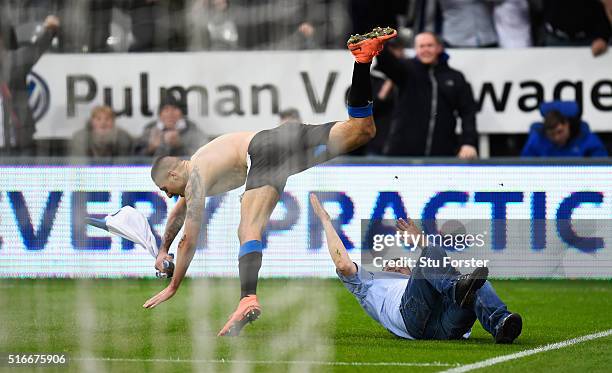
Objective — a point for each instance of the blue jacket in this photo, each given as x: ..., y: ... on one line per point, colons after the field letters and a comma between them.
x: 584, y: 144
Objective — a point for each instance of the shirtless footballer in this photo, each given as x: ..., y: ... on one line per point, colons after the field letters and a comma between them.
x: 264, y: 160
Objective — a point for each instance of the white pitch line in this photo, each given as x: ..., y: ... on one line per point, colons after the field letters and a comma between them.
x: 269, y: 362
x: 520, y: 354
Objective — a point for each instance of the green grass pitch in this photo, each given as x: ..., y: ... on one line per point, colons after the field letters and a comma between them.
x: 305, y: 322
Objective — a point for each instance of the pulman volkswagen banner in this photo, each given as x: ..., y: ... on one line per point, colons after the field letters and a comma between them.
x: 553, y: 221
x: 225, y: 95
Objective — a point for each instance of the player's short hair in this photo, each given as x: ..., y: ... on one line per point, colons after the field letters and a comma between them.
x: 162, y: 165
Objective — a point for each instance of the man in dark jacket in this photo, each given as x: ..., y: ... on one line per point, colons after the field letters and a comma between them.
x: 17, y: 123
x: 172, y: 133
x: 431, y: 98
x: 562, y: 134
x: 576, y: 23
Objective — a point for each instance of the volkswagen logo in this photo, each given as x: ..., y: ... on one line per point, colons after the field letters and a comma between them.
x: 39, y: 97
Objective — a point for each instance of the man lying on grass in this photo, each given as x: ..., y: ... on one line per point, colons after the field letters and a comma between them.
x: 427, y: 302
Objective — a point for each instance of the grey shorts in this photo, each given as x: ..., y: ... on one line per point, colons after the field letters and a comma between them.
x: 288, y: 149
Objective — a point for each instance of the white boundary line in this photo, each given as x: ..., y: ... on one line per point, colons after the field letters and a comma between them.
x: 269, y: 362
x: 457, y: 369
x: 520, y: 354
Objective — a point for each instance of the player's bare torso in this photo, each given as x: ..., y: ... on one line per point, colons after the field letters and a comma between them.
x: 223, y: 162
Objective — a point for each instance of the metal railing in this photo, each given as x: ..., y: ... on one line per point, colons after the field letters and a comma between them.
x: 344, y: 160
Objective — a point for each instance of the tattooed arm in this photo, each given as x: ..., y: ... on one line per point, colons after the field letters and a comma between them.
x: 173, y: 226
x: 195, y: 197
x: 336, y: 248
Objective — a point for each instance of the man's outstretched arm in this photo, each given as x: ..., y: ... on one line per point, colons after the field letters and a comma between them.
x: 336, y: 248
x: 195, y: 197
x: 173, y: 226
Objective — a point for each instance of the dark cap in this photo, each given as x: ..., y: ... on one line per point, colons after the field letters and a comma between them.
x: 173, y: 98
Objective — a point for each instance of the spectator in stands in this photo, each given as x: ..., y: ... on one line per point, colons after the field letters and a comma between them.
x: 101, y: 137
x: 212, y: 25
x: 562, y: 134
x: 576, y: 23
x: 100, y: 17
x: 367, y: 14
x: 17, y: 125
x: 468, y: 23
x: 157, y: 25
x: 475, y: 23
x: 421, y: 16
x: 608, y: 7
x: 512, y: 23
x: 290, y: 24
x: 172, y: 133
x: 431, y: 97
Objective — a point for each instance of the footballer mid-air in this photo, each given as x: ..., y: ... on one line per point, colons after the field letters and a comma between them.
x: 264, y: 160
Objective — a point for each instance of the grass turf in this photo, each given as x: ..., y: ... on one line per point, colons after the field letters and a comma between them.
x: 303, y: 320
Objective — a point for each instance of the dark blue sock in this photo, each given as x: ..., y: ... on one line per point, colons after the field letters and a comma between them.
x: 360, y: 94
x: 249, y: 263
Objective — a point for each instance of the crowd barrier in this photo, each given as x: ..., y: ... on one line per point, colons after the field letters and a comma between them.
x: 43, y: 206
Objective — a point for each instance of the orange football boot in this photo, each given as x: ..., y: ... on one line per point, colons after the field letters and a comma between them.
x: 367, y: 46
x: 248, y: 311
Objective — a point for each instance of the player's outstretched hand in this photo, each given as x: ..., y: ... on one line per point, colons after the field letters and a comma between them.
x: 162, y: 296
x: 164, y: 265
x: 318, y: 208
x: 407, y: 225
